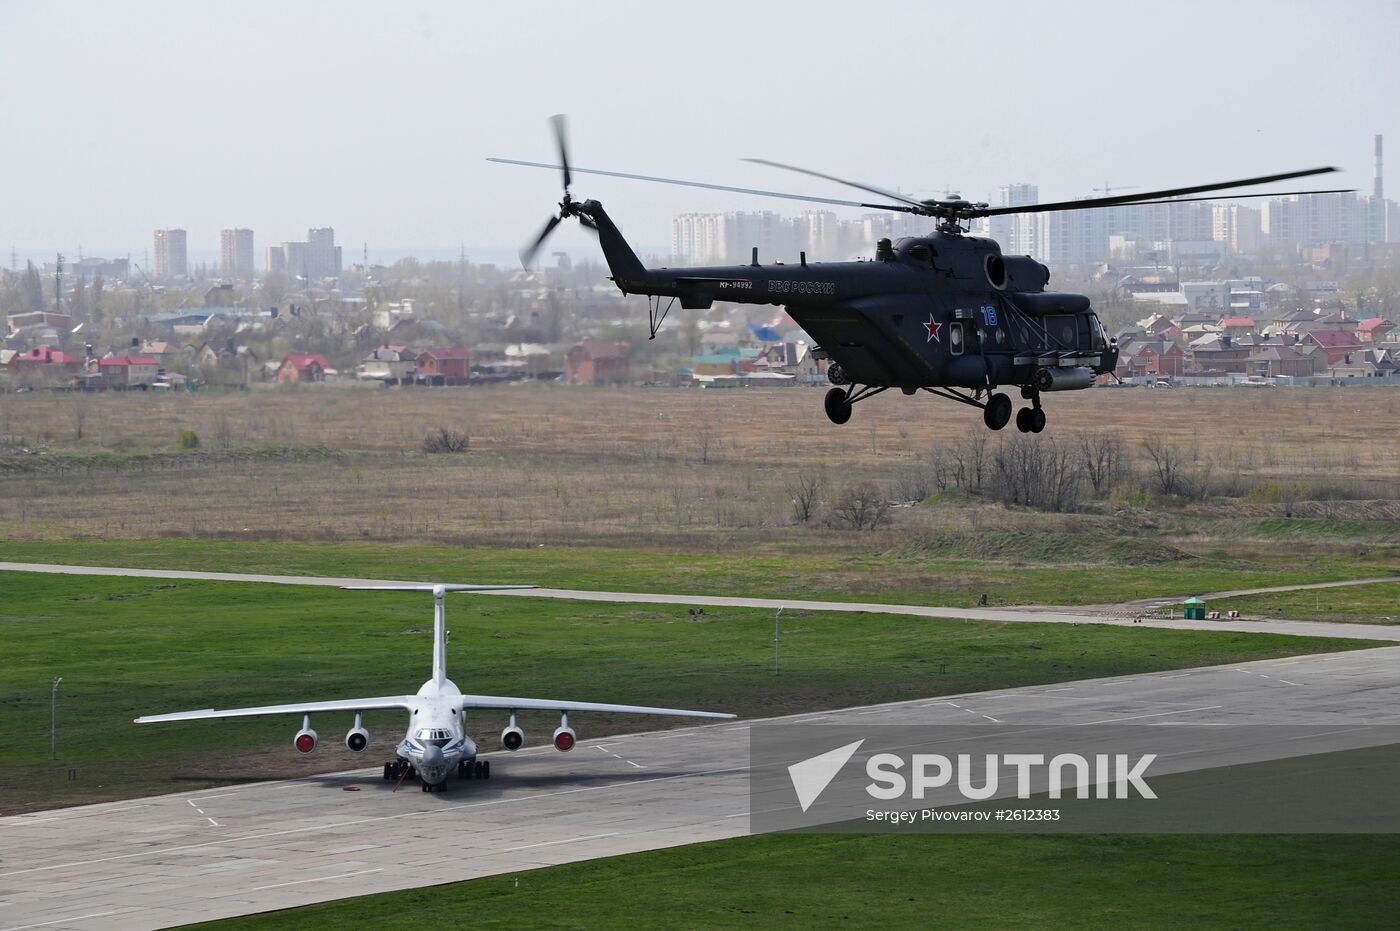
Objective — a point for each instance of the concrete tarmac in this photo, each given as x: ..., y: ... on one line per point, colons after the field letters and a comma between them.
x: 172, y: 859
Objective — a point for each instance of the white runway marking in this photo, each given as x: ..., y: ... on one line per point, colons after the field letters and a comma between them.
x: 61, y: 921
x: 318, y: 879
x: 44, y: 816
x: 567, y: 840
x: 1155, y: 714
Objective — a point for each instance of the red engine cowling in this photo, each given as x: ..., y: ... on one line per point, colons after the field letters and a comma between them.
x: 564, y: 739
x: 305, y: 740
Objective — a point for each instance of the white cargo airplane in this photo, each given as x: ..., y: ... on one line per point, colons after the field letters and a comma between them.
x: 437, y: 740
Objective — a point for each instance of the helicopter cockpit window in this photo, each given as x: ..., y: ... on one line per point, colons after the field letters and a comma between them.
x: 1097, y: 337
x: 955, y: 338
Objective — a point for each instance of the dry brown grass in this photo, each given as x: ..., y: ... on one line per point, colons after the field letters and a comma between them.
x: 553, y: 463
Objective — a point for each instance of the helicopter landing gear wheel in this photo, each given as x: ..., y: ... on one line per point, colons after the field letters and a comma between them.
x: 1037, y: 420
x: 997, y: 413
x: 838, y: 407
x: 1023, y: 419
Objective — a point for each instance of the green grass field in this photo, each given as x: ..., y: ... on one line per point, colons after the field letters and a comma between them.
x: 918, y: 881
x: 130, y: 646
x: 1355, y: 604
x: 907, y: 575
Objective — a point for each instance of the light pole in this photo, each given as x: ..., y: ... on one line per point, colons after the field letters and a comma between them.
x: 778, y: 643
x: 53, y: 718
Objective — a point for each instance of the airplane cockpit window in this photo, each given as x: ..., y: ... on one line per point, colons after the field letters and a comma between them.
x: 436, y: 736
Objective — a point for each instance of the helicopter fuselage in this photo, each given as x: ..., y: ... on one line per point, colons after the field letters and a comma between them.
x: 935, y: 312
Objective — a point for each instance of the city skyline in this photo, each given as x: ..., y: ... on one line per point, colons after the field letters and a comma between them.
x: 238, y: 155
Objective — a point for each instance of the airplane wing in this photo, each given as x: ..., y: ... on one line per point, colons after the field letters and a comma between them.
x: 543, y: 704
x: 350, y: 704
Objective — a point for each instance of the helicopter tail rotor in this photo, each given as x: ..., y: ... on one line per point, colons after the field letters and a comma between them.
x: 568, y: 207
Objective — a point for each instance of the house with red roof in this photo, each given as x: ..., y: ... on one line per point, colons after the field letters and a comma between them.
x: 450, y: 366
x: 47, y: 362
x: 1338, y: 344
x: 302, y: 368
x: 1375, y: 330
x: 128, y: 371
x: 1236, y: 327
x: 598, y: 362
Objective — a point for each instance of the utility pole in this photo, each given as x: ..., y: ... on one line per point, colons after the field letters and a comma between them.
x: 778, y: 643
x: 58, y: 286
x: 53, y: 718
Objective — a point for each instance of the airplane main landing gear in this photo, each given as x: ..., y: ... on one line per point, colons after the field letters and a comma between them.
x: 474, y: 769
x: 394, y: 769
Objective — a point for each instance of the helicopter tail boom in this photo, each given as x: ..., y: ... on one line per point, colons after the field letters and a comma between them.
x: 627, y: 270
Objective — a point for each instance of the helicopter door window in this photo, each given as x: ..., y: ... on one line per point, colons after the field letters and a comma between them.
x: 1063, y: 330
x: 955, y: 338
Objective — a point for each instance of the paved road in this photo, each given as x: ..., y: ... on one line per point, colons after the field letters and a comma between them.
x: 1032, y: 614
x: 173, y: 859
x: 1242, y: 592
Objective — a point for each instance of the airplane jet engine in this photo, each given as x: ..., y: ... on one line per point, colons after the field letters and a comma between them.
x: 357, y: 739
x: 565, y: 738
x: 305, y: 740
x: 512, y: 738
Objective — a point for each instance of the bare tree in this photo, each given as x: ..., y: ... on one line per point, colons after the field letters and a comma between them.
x: 705, y: 441
x: 1102, y: 458
x: 1167, y: 464
x: 861, y: 506
x: 1038, y: 472
x: 805, y: 488
x: 79, y: 418
x: 446, y: 441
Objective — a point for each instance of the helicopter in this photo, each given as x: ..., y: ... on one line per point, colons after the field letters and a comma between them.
x: 947, y: 313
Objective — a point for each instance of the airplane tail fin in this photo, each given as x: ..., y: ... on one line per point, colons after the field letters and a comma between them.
x: 439, y: 612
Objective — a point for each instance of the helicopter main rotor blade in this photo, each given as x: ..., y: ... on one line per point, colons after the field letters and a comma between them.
x: 712, y: 187
x: 561, y: 134
x: 1149, y: 196
x: 869, y: 188
x: 1187, y: 200
x: 527, y: 255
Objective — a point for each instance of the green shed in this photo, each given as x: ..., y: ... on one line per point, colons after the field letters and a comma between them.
x: 1194, y: 609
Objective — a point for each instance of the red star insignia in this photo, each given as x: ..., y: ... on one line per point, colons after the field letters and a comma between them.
x: 933, y: 329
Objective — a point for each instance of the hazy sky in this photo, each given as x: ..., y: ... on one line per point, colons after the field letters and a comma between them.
x: 376, y: 118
